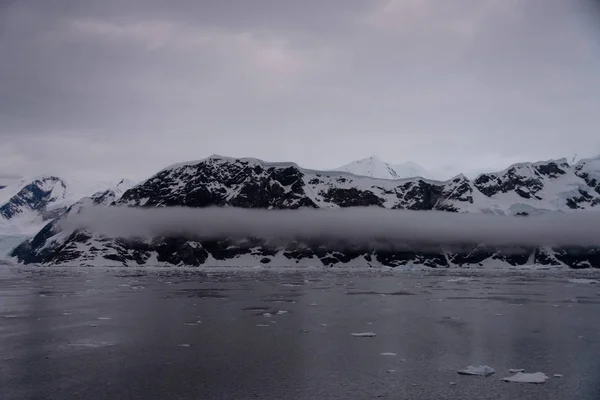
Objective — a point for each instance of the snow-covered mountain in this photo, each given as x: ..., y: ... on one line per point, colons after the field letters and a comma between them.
x: 522, y: 189
x: 374, y: 167
x: 30, y: 203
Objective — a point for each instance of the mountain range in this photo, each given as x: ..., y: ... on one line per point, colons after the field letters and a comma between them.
x: 522, y: 189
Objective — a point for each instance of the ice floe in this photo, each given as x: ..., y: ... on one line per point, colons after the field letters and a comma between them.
x: 482, y: 370
x: 523, y: 377
x: 364, y: 334
x: 583, y: 281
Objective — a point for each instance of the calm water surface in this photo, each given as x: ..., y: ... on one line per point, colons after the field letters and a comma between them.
x: 114, y: 334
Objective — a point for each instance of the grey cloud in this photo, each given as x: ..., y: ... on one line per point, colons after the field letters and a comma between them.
x: 476, y: 83
x: 357, y: 225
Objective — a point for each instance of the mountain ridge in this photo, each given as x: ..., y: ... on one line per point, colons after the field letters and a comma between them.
x: 521, y: 189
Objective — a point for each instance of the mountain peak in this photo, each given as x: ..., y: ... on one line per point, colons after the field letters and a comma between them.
x: 374, y: 167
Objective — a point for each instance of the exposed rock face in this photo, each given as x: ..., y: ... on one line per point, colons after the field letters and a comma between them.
x: 522, y: 189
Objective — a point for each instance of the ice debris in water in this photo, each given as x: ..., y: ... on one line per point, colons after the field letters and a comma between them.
x: 281, y: 312
x: 460, y: 279
x: 483, y: 370
x: 581, y: 280
x: 389, y: 354
x: 558, y: 375
x: 535, y: 377
x: 185, y: 345
x: 364, y: 334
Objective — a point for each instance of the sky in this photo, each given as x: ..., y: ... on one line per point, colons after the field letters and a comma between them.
x: 123, y: 88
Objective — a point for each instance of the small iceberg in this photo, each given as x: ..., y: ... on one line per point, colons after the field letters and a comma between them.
x: 481, y: 370
x: 583, y: 281
x: 522, y: 377
x: 460, y: 279
x: 389, y: 354
x: 364, y: 334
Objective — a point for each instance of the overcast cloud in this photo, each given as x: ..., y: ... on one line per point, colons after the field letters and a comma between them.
x: 117, y: 88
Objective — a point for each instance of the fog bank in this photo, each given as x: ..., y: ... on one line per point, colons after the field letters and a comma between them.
x: 356, y: 225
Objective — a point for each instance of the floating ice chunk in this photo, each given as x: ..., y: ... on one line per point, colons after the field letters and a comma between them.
x: 460, y: 279
x: 313, y: 304
x: 558, y: 375
x: 453, y: 383
x: 267, y: 315
x: 389, y: 354
x: 522, y: 377
x: 281, y: 312
x: 483, y: 370
x: 390, y: 371
x: 324, y: 324
x: 364, y: 334
x: 104, y: 318
x: 93, y: 325
x: 263, y: 325
x: 582, y: 280
x: 185, y: 345
x: 90, y: 345
x: 515, y: 370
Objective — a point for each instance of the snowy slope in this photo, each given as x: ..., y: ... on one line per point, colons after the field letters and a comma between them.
x: 536, y: 187
x: 589, y: 170
x: 374, y: 167
x: 410, y: 169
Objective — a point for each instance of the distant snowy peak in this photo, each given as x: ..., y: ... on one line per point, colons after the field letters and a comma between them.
x: 374, y: 167
x: 30, y: 203
x: 410, y: 169
x: 39, y: 194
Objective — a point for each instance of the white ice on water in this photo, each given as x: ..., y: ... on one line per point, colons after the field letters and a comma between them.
x: 583, y: 281
x: 523, y: 377
x: 364, y: 334
x: 482, y: 370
